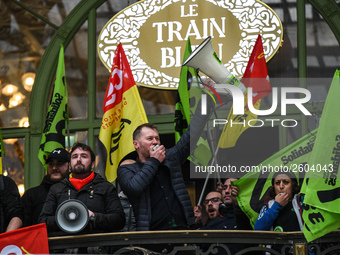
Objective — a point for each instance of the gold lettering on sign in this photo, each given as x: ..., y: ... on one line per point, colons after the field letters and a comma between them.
x: 154, y: 34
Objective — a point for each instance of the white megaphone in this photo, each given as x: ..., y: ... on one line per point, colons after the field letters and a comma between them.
x: 205, y: 60
x: 72, y: 216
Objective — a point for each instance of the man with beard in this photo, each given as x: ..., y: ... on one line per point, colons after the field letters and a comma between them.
x: 227, y: 198
x: 229, y: 194
x: 219, y: 219
x: 34, y: 198
x: 217, y: 213
x: 100, y: 197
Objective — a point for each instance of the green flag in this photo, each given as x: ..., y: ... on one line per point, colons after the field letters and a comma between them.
x: 321, y: 185
x: 319, y: 221
x: 255, y: 184
x: 188, y: 77
x: 53, y: 136
x: 188, y: 96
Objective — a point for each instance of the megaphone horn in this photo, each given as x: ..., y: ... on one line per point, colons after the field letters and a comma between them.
x: 72, y: 216
x: 205, y: 60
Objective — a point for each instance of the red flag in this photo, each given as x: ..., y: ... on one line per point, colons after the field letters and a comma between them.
x: 29, y: 240
x: 120, y: 75
x: 256, y: 73
x: 256, y: 76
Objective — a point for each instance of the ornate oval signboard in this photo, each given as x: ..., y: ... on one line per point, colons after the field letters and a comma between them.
x: 154, y: 34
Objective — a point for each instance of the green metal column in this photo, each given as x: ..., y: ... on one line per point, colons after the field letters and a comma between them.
x: 330, y: 11
x: 92, y: 49
x: 44, y: 82
x: 302, y: 55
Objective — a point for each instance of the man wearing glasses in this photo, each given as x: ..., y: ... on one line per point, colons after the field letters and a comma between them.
x: 219, y: 218
x: 226, y: 194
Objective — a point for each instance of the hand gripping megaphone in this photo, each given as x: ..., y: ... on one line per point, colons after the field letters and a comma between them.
x: 205, y: 60
x: 72, y: 216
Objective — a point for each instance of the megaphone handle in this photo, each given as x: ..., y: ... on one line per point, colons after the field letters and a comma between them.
x: 92, y: 223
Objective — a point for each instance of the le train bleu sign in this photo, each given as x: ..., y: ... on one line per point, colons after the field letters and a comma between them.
x: 154, y: 34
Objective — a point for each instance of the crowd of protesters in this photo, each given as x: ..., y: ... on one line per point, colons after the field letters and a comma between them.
x: 152, y: 196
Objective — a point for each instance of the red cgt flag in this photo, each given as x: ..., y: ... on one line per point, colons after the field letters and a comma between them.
x: 256, y: 73
x: 29, y: 240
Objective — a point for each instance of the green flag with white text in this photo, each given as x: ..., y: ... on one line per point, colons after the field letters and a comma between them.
x: 254, y: 185
x: 54, y: 132
x: 321, y: 185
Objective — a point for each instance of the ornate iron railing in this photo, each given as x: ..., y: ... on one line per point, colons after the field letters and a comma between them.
x: 200, y: 242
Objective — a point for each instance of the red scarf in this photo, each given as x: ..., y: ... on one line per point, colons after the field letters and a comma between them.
x: 79, y: 183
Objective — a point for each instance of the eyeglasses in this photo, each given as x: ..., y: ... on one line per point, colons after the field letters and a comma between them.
x: 213, y: 200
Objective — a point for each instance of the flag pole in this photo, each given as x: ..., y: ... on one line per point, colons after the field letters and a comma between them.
x: 212, y: 163
x: 214, y: 152
x: 68, y: 137
x: 211, y: 145
x: 206, y: 180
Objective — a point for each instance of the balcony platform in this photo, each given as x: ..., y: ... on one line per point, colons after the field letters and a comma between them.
x: 191, y: 241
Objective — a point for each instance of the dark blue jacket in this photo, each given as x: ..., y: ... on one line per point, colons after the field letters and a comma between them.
x: 134, y: 179
x: 225, y: 221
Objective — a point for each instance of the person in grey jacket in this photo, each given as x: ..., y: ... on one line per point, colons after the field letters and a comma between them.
x: 100, y: 196
x: 154, y: 183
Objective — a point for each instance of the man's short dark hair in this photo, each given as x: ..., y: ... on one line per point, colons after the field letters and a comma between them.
x: 138, y: 130
x: 85, y: 148
x: 207, y: 193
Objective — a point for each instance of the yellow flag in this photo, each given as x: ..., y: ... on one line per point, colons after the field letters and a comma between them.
x: 123, y: 112
x: 236, y: 125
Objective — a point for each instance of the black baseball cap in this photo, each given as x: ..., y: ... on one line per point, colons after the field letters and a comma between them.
x: 60, y: 154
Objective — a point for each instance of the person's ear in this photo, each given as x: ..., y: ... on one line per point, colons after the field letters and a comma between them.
x: 136, y: 144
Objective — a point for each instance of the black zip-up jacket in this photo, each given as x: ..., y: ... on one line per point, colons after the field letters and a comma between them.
x: 33, y: 201
x: 10, y: 202
x: 99, y: 196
